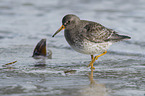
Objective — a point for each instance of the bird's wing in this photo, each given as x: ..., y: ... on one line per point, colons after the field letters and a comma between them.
x: 95, y: 32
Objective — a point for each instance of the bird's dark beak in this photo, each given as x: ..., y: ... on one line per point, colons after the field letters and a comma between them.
x: 61, y: 28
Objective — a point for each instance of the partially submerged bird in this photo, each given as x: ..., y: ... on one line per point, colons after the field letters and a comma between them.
x: 40, y: 50
x: 88, y: 37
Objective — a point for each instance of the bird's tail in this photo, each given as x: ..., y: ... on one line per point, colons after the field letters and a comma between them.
x: 116, y: 37
x: 123, y: 37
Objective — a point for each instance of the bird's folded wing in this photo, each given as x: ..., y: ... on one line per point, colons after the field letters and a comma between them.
x: 97, y: 33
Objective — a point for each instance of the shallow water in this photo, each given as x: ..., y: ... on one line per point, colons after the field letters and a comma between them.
x: 23, y: 23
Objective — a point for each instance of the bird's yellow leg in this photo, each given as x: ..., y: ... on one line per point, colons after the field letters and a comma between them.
x: 94, y: 59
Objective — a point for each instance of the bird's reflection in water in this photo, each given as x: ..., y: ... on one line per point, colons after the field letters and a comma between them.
x: 94, y: 89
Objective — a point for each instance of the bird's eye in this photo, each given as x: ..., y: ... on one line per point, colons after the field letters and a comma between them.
x: 68, y: 22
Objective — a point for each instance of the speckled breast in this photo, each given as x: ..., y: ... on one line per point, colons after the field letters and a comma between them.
x: 85, y: 46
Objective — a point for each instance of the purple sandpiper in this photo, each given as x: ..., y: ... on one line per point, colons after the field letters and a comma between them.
x: 88, y: 37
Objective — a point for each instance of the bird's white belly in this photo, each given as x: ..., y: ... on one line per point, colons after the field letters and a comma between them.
x: 92, y: 48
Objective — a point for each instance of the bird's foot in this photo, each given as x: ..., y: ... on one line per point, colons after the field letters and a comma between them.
x: 92, y: 67
x: 91, y: 64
